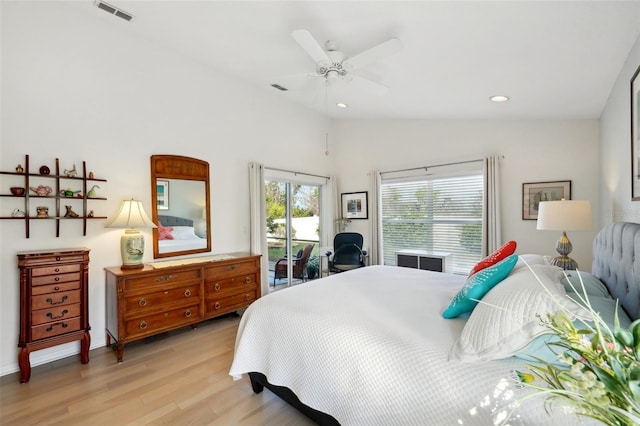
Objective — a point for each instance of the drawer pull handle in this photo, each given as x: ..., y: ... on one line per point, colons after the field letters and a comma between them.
x: 230, y: 267
x: 143, y: 325
x: 57, y: 269
x: 50, y: 315
x: 216, y: 305
x: 216, y: 286
x: 165, y: 277
x: 56, y: 279
x: 142, y: 302
x: 51, y: 302
x: 187, y: 313
x: 56, y: 288
x: 58, y: 258
x: 61, y: 324
x: 187, y: 293
x: 247, y: 280
x: 247, y: 297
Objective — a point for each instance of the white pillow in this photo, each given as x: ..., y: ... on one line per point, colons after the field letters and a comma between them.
x: 531, y: 259
x: 506, y: 320
x: 183, y: 233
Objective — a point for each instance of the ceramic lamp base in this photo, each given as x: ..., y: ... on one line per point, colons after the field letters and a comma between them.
x: 564, y: 247
x: 132, y: 249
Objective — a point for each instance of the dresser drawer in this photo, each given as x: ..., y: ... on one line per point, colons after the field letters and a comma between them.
x: 52, y: 270
x: 230, y: 285
x: 150, y: 301
x: 56, y: 313
x: 231, y: 303
x: 55, y: 328
x: 55, y: 299
x: 236, y: 269
x: 57, y: 278
x: 55, y: 288
x: 151, y: 324
x: 162, y: 279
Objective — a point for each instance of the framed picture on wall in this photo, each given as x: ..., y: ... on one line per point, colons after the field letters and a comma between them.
x: 355, y: 205
x: 635, y: 136
x: 162, y: 191
x: 533, y: 193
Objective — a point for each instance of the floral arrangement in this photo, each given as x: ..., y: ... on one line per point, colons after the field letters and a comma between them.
x: 598, y: 370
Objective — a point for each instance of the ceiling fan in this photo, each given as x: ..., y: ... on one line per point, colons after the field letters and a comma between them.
x: 333, y: 65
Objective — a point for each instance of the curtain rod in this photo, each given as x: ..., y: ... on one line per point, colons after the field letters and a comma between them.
x: 297, y: 173
x: 435, y: 165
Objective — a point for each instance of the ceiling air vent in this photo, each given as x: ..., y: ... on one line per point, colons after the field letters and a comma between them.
x: 114, y: 10
x: 277, y: 86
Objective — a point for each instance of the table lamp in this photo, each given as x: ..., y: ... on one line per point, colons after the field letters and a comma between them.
x: 130, y: 216
x: 564, y: 215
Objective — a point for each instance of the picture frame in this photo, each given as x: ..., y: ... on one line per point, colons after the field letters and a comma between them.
x: 534, y: 192
x: 635, y: 135
x: 162, y: 194
x: 355, y: 205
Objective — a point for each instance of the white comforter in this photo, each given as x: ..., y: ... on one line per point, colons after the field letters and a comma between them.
x: 370, y: 346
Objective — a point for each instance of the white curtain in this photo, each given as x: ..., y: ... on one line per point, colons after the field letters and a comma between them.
x: 257, y: 206
x: 375, y: 245
x: 330, y: 212
x: 492, y: 236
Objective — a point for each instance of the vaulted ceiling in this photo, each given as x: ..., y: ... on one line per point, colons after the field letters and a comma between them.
x: 553, y: 59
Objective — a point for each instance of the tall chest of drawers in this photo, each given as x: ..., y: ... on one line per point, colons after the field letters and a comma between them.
x: 169, y: 295
x: 54, y: 306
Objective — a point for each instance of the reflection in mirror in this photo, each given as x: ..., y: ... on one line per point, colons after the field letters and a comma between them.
x: 180, y: 205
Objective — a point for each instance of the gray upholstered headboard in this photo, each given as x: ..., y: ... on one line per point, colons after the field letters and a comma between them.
x: 174, y: 221
x: 616, y: 262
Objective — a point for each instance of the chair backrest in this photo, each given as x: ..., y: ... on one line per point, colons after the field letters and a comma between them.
x: 347, y: 238
x: 300, y: 265
x: 347, y: 249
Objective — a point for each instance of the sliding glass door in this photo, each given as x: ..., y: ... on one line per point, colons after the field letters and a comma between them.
x: 293, y: 230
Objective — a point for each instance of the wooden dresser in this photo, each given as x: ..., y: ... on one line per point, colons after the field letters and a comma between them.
x: 54, y: 306
x: 164, y: 296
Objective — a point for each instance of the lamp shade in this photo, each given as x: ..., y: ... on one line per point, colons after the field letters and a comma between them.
x: 131, y: 215
x: 564, y: 215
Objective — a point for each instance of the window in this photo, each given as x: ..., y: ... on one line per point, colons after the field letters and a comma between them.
x: 434, y: 213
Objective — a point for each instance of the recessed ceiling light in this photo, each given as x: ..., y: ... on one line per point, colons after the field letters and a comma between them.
x: 499, y: 98
x: 342, y: 105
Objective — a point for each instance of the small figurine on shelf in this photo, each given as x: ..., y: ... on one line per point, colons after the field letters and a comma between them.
x: 90, y: 175
x: 71, y: 173
x: 92, y: 192
x: 41, y: 190
x: 19, y: 169
x: 17, y: 213
x: 90, y: 213
x: 69, y: 192
x: 70, y: 212
x: 43, y: 211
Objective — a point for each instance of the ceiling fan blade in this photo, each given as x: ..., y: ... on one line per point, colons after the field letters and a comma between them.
x: 366, y: 85
x: 373, y: 54
x: 311, y: 46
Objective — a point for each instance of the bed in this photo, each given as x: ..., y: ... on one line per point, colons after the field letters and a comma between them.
x: 371, y: 346
x: 177, y: 234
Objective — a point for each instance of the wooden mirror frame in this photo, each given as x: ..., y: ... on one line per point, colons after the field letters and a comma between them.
x: 178, y: 168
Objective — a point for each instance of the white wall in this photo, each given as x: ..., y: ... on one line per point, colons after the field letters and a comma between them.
x: 615, y: 149
x: 82, y: 87
x: 533, y: 150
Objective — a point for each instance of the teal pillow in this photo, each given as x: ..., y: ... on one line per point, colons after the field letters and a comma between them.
x: 592, y: 285
x: 478, y: 285
x: 605, y: 306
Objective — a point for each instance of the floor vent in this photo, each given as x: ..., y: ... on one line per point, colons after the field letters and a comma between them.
x: 114, y: 10
x: 277, y: 86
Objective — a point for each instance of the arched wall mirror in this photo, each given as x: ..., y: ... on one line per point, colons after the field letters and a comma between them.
x: 180, y: 205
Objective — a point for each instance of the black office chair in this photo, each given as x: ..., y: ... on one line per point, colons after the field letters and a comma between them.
x: 347, y: 252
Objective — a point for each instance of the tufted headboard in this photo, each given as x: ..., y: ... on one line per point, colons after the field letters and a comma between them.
x: 616, y: 262
x: 174, y: 221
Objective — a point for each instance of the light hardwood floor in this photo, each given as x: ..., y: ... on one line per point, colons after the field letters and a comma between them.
x: 179, y: 378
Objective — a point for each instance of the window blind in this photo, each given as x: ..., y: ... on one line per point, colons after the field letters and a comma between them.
x: 440, y: 213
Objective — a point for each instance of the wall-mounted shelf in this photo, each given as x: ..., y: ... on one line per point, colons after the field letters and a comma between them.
x: 60, y: 183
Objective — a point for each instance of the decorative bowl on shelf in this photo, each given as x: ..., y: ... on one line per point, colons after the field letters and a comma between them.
x: 16, y: 190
